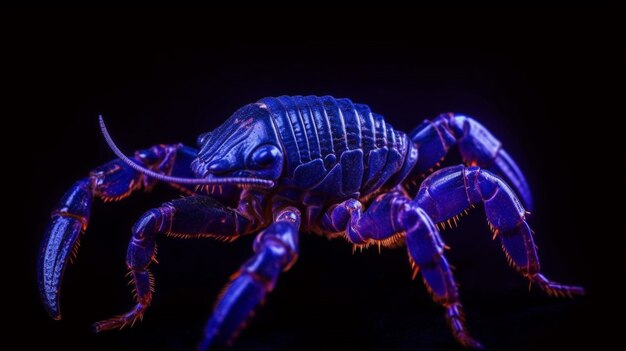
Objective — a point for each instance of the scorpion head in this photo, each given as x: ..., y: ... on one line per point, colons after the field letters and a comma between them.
x: 246, y: 145
x: 243, y: 152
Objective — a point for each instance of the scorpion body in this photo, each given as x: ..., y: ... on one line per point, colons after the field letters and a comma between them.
x: 318, y: 164
x: 334, y: 150
x: 337, y: 149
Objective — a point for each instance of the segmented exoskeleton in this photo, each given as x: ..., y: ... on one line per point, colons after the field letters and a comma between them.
x: 316, y: 164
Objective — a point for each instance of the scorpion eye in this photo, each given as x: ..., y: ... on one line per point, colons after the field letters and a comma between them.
x: 202, y: 138
x: 265, y: 155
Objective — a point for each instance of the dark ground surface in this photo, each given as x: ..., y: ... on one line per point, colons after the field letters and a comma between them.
x: 166, y: 77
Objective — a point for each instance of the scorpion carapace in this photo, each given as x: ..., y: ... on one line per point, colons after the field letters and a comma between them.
x: 315, y: 164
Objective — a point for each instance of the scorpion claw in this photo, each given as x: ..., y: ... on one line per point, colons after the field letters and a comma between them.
x: 60, y: 242
x: 70, y: 217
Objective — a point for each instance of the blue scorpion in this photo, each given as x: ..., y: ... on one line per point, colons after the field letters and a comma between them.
x: 305, y: 163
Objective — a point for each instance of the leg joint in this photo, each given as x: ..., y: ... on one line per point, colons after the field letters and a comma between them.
x: 153, y: 222
x: 159, y: 157
x: 281, y: 239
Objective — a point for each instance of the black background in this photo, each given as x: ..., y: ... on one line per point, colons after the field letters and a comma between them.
x: 160, y: 77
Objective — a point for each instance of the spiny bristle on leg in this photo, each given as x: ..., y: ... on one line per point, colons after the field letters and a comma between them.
x: 154, y: 254
x: 151, y: 280
x: 394, y: 241
x: 75, y: 248
x: 495, y: 234
x: 509, y: 259
x: 223, y: 238
x: 493, y: 229
x: 452, y: 222
x: 414, y: 268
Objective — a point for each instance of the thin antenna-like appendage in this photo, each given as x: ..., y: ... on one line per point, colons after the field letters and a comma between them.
x: 264, y: 183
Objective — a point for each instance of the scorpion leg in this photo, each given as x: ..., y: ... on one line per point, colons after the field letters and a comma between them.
x: 189, y: 217
x: 449, y: 191
x: 112, y: 181
x: 275, y: 250
x: 477, y: 145
x: 426, y: 249
x: 391, y: 215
